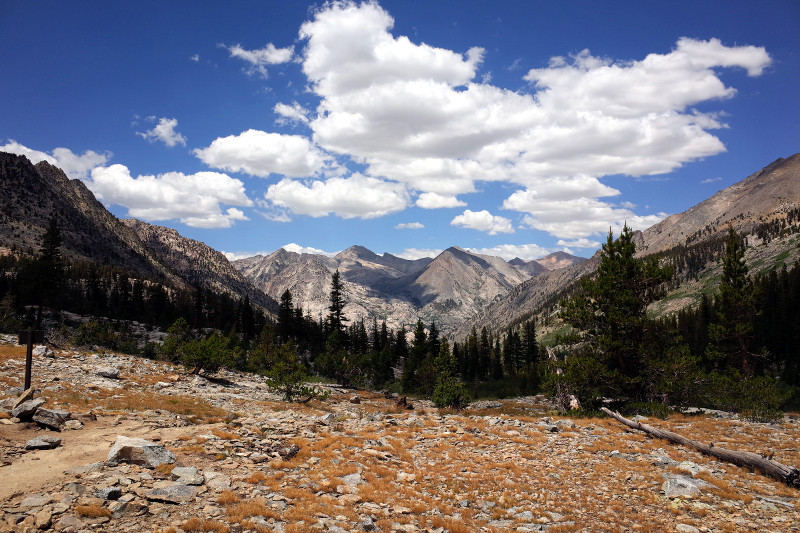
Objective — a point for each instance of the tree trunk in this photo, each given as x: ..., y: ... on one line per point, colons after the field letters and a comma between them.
x: 786, y: 474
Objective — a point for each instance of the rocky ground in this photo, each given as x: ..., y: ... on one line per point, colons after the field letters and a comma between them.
x: 242, y: 460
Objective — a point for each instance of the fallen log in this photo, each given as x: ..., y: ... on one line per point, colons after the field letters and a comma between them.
x: 786, y: 474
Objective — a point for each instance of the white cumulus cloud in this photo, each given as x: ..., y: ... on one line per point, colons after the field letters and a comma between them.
x: 419, y: 253
x: 424, y: 116
x: 483, y: 221
x: 193, y: 199
x: 357, y: 196
x: 259, y: 153
x: 410, y: 225
x: 291, y: 113
x: 259, y: 59
x: 432, y: 200
x: 75, y: 166
x: 165, y: 132
x: 511, y: 251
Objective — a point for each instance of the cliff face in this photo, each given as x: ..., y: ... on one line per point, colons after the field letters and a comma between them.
x: 30, y: 195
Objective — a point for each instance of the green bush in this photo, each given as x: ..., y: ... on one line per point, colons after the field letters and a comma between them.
x: 758, y: 398
x: 450, y: 392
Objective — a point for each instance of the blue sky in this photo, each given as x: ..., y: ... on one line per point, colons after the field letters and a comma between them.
x: 514, y: 128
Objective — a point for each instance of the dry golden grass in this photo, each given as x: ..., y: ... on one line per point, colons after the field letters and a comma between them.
x: 224, y: 435
x: 250, y: 508
x: 92, y: 511
x: 228, y: 497
x: 10, y: 351
x: 200, y: 524
x: 195, y: 408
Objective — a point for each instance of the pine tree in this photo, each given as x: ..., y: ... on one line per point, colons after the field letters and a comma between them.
x: 610, y: 312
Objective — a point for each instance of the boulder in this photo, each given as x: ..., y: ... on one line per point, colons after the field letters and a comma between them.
x: 26, y: 410
x: 139, y: 451
x: 44, y: 442
x: 43, y: 351
x: 172, y: 494
x: 109, y: 493
x: 108, y: 372
x: 24, y: 397
x: 51, y: 418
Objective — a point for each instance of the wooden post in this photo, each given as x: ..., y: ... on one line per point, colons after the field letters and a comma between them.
x: 28, y: 361
x: 28, y: 338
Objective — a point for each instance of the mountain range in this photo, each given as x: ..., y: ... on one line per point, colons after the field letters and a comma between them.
x: 458, y: 289
x: 447, y: 289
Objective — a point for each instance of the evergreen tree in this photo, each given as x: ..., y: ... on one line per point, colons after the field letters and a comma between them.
x: 286, y: 317
x: 732, y: 336
x: 336, y: 322
x: 610, y: 312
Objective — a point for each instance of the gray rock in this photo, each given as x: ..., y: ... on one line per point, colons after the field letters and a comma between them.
x: 172, y: 494
x: 26, y: 410
x: 43, y: 351
x: 686, y: 528
x: 139, y: 451
x: 24, y: 396
x: 187, y: 475
x: 85, y: 469
x: 677, y: 486
x: 108, y: 372
x: 217, y: 480
x: 368, y: 524
x: 353, y: 480
x: 109, y: 493
x: 36, y: 500
x: 127, y: 507
x: 51, y: 418
x: 73, y: 424
x: 69, y: 522
x: 524, y: 516
x: 43, y: 442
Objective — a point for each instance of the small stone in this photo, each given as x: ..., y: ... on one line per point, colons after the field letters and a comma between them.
x: 36, y: 500
x: 682, y: 487
x: 73, y: 424
x: 43, y: 442
x: 173, y: 494
x: 70, y: 522
x: 686, y: 528
x: 43, y: 519
x: 368, y: 524
x: 353, y: 480
x: 187, y: 475
x: 109, y: 493
x: 108, y: 372
x: 355, y: 399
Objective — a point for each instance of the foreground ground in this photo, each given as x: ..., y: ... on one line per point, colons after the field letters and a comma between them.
x: 264, y: 465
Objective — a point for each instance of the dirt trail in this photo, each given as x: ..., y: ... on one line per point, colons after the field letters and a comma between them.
x: 32, y: 471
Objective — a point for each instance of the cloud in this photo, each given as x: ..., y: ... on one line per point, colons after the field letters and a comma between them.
x: 710, y: 180
x: 195, y: 58
x: 423, y: 116
x: 432, y: 200
x: 74, y: 166
x: 292, y: 247
x: 410, y: 225
x: 483, y: 221
x: 570, y: 208
x: 291, y: 113
x: 354, y: 197
x: 579, y: 243
x: 259, y: 153
x: 165, y: 132
x: 259, y: 59
x: 511, y: 251
x: 419, y: 253
x: 193, y: 199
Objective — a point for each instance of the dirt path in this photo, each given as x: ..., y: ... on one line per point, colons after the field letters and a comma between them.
x: 34, y: 470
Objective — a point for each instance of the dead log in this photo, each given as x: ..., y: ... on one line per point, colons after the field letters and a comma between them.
x: 786, y: 474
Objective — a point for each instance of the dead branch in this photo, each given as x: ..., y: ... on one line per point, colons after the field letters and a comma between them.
x: 786, y: 474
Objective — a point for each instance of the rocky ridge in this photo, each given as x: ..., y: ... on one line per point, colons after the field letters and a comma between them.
x: 766, y: 195
x: 244, y: 461
x: 449, y: 288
